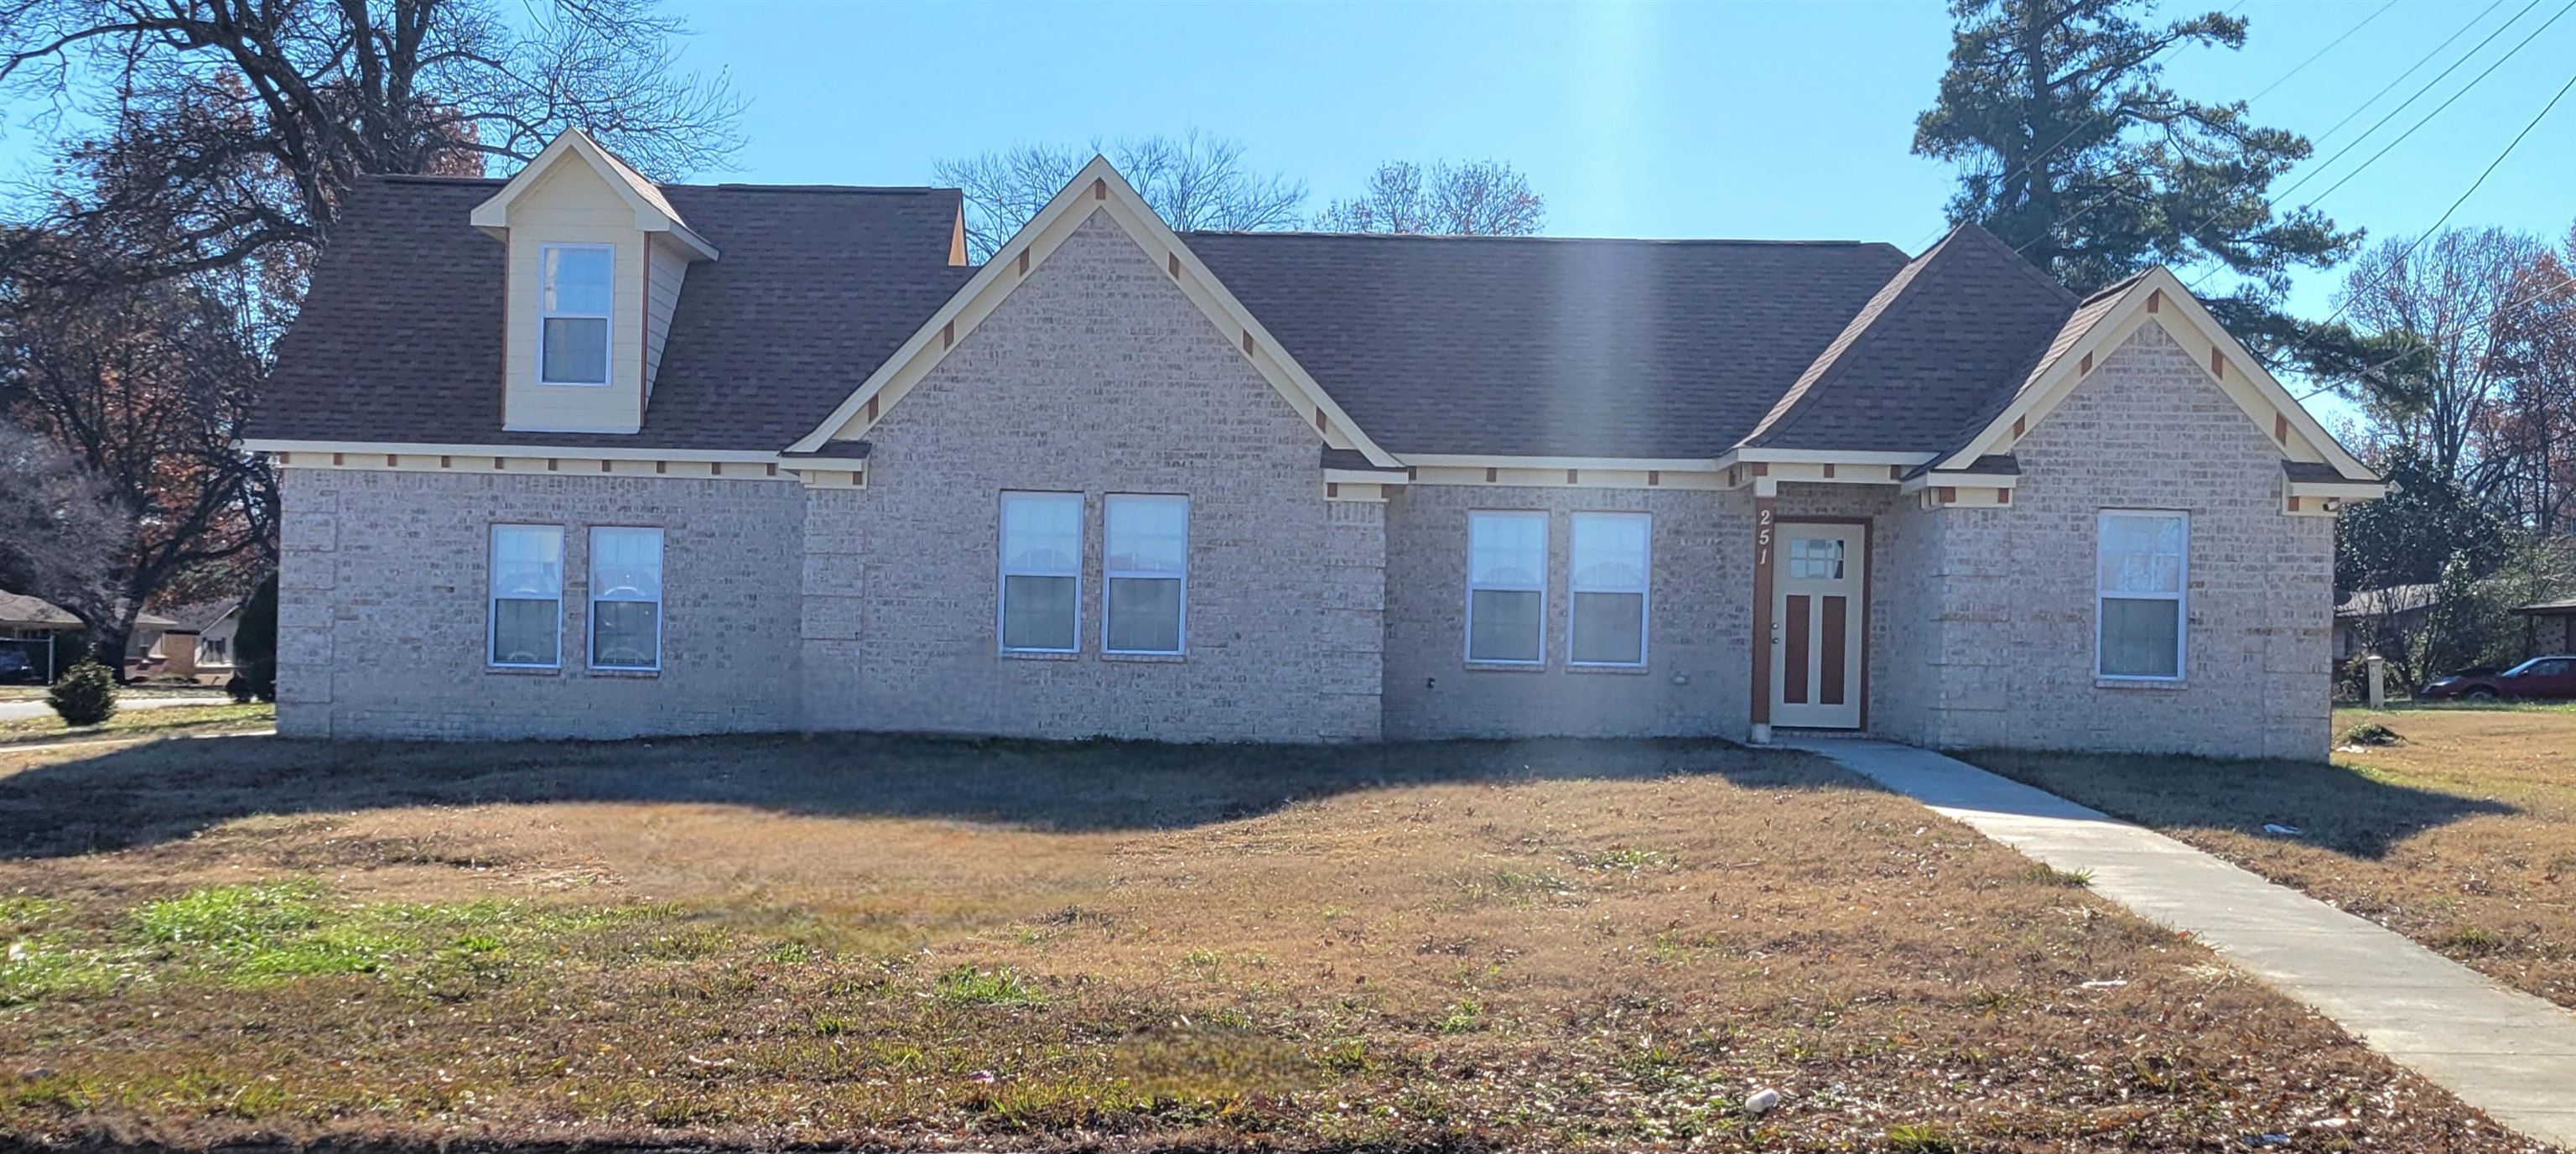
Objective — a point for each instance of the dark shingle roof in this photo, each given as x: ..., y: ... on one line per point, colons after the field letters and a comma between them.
x: 1940, y: 348
x: 18, y: 609
x: 400, y: 336
x: 1532, y: 347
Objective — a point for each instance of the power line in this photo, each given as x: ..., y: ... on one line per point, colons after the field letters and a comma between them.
x: 2455, y: 98
x: 2429, y: 86
x: 2427, y: 58
x: 2474, y: 185
x: 2330, y: 46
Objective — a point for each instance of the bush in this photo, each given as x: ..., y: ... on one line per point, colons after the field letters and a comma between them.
x: 2370, y: 733
x: 255, y: 643
x: 86, y: 695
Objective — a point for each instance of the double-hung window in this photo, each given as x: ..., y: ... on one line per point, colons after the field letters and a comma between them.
x: 2142, y: 569
x: 572, y: 319
x: 625, y: 598
x: 1146, y: 563
x: 1041, y: 572
x: 1506, y: 587
x: 1608, y: 589
x: 527, y: 596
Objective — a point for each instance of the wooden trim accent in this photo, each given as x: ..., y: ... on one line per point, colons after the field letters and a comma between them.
x: 773, y: 470
x: 2156, y: 301
x: 2020, y: 424
x: 2003, y: 496
x: 715, y: 468
x: 392, y: 461
x: 643, y: 341
x: 337, y: 458
x: 1174, y: 267
x: 1949, y: 494
x: 496, y: 464
x: 2281, y: 427
x: 1794, y: 649
x: 1654, y: 477
x: 2217, y: 362
x: 1099, y: 189
x: 947, y: 339
x: 603, y: 465
x: 1332, y: 489
x: 446, y: 461
x: 1764, y: 532
x: 2086, y: 367
x: 872, y: 410
x: 1572, y: 476
x: 1761, y: 470
x: 1829, y: 470
x: 1247, y: 342
x: 1833, y: 634
x: 2294, y: 502
x: 1323, y: 421
x: 1489, y: 476
x: 553, y: 464
x: 1024, y: 262
x: 661, y: 466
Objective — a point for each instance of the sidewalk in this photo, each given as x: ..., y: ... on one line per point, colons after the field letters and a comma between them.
x: 2502, y: 1051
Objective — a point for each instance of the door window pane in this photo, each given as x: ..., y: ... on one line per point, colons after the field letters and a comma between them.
x: 1816, y: 558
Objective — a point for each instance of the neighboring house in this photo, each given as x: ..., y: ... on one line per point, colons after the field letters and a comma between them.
x: 2379, y: 619
x: 197, y: 642
x: 2551, y: 626
x: 599, y: 458
x: 143, y: 649
x: 43, y: 634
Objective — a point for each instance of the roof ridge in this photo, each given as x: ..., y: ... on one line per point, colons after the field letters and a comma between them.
x: 1798, y: 400
x: 2013, y: 257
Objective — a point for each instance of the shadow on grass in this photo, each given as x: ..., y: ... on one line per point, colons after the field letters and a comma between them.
x: 169, y: 790
x: 2332, y: 807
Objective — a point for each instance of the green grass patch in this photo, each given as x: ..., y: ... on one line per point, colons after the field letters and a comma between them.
x: 968, y: 986
x: 144, y: 722
x: 231, y: 917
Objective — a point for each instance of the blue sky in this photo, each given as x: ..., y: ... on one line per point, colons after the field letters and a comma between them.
x: 1741, y: 120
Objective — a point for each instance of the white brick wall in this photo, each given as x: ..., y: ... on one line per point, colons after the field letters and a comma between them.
x: 382, y: 612
x: 2004, y: 626
x: 1097, y: 376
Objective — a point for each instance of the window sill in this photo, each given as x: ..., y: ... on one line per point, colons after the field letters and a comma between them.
x: 2174, y: 686
x: 523, y: 671
x: 627, y: 674
x: 1146, y: 658
x: 1506, y: 667
x: 1630, y: 670
x: 1038, y: 655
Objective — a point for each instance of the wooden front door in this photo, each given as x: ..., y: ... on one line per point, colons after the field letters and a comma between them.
x: 1819, y: 587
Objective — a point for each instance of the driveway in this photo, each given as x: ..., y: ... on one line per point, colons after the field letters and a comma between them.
x: 23, y: 710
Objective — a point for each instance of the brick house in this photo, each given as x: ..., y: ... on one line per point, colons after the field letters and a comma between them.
x: 578, y: 455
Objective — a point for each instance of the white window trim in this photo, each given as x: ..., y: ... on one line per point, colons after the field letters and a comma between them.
x: 1467, y: 644
x: 1645, y: 591
x: 590, y: 564
x: 608, y: 342
x: 1108, y: 575
x: 1002, y: 560
x: 492, y: 599
x: 2181, y: 596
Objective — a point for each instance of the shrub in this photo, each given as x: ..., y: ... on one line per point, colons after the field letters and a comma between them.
x: 86, y: 695
x: 255, y: 642
x: 2370, y: 733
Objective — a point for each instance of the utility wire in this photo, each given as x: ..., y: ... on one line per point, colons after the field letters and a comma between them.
x: 2411, y: 70
x: 2330, y: 46
x: 2429, y: 86
x: 2455, y: 97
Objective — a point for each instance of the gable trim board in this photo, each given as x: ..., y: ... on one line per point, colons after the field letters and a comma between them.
x: 2265, y: 402
x: 1098, y: 188
x: 653, y: 211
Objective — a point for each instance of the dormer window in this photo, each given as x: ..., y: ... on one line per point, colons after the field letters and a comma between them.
x: 572, y: 330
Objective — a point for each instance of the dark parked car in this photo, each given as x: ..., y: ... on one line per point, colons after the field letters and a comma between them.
x: 2539, y: 679
x: 14, y: 665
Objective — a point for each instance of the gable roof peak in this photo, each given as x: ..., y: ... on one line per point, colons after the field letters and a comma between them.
x: 653, y: 211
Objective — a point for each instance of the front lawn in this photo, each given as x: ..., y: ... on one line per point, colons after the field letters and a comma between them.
x: 918, y: 942
x: 2461, y: 834
x: 164, y: 721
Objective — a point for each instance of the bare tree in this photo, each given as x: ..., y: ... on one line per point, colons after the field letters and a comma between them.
x: 145, y: 386
x: 235, y: 127
x: 2445, y: 293
x: 2534, y: 431
x: 1194, y: 180
x: 1475, y: 198
x: 63, y: 531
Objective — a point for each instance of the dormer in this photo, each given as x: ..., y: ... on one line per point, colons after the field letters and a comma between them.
x: 596, y: 258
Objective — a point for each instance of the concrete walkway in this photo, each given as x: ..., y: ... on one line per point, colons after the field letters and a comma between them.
x: 2502, y: 1051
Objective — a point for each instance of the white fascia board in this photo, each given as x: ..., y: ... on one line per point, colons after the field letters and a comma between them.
x: 1490, y: 461
x: 590, y: 452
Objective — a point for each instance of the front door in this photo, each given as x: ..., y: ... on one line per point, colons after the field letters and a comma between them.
x: 1819, y: 583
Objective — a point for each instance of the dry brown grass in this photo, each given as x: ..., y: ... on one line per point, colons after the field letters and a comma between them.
x: 916, y: 942
x: 2461, y: 836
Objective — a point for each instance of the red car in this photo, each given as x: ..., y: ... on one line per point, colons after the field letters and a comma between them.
x: 2539, y: 679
